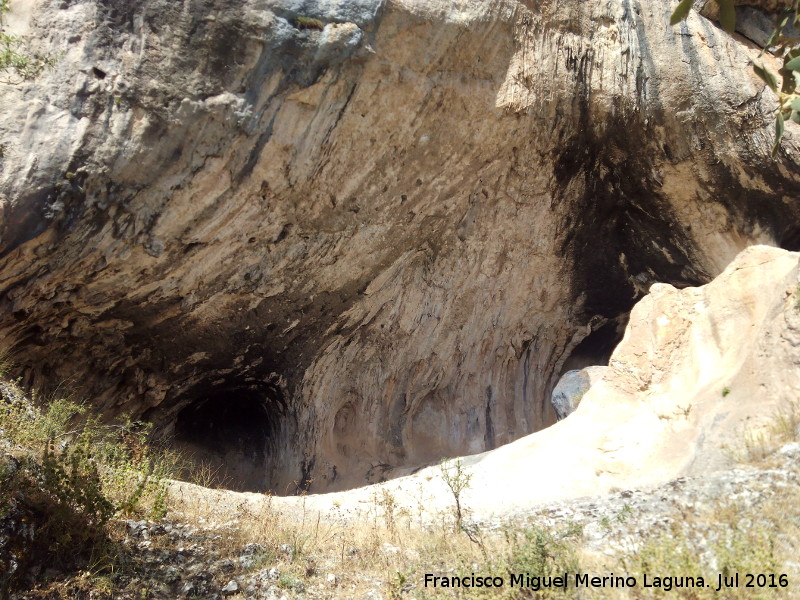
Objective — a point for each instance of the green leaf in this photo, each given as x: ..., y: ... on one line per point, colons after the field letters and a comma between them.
x: 681, y: 12
x: 727, y: 15
x: 766, y: 76
x: 793, y: 64
x: 796, y: 116
x: 778, y: 133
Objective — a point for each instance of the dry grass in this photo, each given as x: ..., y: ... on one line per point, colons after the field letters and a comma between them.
x: 726, y: 538
x: 760, y: 442
x: 384, y: 548
x: 389, y: 549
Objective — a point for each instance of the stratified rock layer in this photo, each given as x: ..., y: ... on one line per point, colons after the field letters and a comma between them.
x: 382, y: 242
x: 704, y: 379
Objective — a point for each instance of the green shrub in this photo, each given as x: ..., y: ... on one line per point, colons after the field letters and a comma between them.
x: 542, y: 553
x: 52, y: 519
x: 67, y: 480
x: 70, y: 475
x: 308, y: 23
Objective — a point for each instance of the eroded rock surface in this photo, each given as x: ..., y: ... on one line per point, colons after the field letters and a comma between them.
x: 705, y: 378
x: 383, y: 241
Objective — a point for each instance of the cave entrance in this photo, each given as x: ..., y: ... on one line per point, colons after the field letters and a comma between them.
x: 230, y: 438
x: 597, y: 347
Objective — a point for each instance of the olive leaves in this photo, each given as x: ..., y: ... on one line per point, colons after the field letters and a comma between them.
x: 681, y: 12
x: 784, y: 43
x: 727, y: 13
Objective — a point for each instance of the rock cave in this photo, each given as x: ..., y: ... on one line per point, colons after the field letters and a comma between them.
x: 316, y: 259
x: 235, y: 434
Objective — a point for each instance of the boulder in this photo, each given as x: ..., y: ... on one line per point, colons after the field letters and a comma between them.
x: 571, y: 388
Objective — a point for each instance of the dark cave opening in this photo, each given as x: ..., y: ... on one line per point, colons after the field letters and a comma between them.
x: 597, y: 347
x: 230, y: 437
x: 790, y: 240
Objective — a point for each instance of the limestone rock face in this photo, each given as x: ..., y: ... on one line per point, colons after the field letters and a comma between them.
x: 700, y: 373
x: 329, y: 254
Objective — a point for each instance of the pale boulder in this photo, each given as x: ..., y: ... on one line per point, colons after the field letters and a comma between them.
x: 571, y: 389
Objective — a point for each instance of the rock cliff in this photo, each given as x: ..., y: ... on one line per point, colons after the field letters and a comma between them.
x: 704, y: 380
x: 318, y: 255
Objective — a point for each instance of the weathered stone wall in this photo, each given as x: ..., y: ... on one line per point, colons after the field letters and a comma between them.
x: 396, y: 231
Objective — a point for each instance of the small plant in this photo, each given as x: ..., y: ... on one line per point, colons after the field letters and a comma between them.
x: 400, y: 582
x: 289, y: 581
x: 457, y: 480
x: 760, y: 442
x: 725, y: 391
x: 786, y: 422
x: 539, y: 552
x: 626, y: 512
x: 308, y: 23
x: 389, y: 506
x: 203, y: 473
x: 16, y: 63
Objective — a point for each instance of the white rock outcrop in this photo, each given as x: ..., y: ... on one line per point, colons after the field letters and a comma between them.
x: 701, y: 373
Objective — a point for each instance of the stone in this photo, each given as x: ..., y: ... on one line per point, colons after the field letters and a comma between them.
x: 252, y: 549
x: 230, y: 588
x: 571, y: 388
x: 226, y: 566
x: 189, y: 588
x: 171, y: 574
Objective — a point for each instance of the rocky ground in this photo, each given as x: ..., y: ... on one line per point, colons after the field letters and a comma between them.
x: 188, y: 556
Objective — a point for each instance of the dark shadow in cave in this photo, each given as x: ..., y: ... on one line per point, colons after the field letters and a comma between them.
x: 620, y: 231
x: 231, y: 437
x: 597, y: 347
x: 791, y: 239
